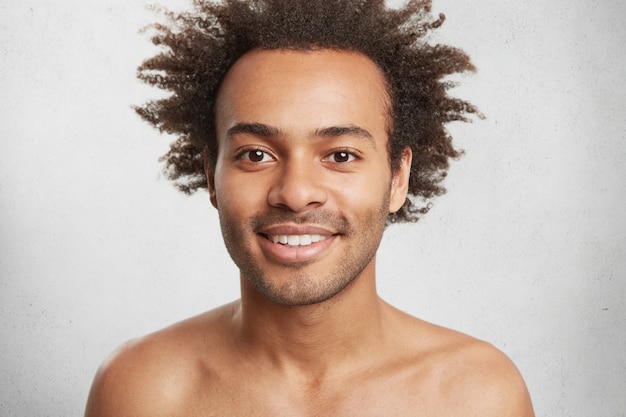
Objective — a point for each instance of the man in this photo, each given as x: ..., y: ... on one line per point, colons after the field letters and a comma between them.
x: 310, y: 122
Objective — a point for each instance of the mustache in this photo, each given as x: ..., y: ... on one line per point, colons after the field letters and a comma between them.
x: 322, y: 217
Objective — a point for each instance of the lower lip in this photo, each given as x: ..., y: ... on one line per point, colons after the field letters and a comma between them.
x: 294, y: 254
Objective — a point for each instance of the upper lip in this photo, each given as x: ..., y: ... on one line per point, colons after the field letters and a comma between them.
x: 291, y: 230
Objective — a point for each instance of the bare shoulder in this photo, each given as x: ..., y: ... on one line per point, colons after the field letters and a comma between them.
x: 157, y: 374
x: 487, y: 380
x: 467, y: 376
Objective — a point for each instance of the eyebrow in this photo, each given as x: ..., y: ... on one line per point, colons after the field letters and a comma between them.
x: 263, y: 130
x: 348, y: 130
x: 257, y: 129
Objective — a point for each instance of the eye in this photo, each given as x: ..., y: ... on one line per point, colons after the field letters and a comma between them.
x: 255, y: 155
x: 341, y: 157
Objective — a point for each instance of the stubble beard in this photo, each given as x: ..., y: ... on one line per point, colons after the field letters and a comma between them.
x: 301, y: 288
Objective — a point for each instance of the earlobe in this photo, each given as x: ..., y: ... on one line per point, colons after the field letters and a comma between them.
x: 210, y: 176
x: 212, y: 197
x: 400, y: 182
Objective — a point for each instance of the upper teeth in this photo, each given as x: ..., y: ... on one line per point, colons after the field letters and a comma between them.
x: 297, y: 240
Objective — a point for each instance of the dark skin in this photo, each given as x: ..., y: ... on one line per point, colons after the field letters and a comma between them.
x: 309, y: 336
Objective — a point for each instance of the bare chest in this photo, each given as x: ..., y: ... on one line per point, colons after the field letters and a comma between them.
x: 251, y: 398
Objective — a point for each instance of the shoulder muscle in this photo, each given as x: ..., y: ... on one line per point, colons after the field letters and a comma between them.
x: 494, y: 384
x: 139, y: 379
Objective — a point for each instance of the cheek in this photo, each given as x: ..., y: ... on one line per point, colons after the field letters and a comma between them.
x: 367, y: 194
x: 377, y: 181
x: 238, y: 194
x: 226, y: 192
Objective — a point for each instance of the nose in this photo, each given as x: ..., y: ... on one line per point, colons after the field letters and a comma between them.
x: 298, y: 187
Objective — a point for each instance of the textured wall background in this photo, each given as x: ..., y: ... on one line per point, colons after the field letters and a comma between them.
x: 527, y: 249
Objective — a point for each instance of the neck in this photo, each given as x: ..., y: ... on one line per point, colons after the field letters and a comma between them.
x: 314, y: 338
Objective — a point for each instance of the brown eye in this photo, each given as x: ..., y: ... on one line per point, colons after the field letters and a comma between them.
x: 256, y: 156
x: 343, y: 156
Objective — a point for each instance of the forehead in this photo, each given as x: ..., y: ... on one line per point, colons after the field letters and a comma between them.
x: 303, y: 89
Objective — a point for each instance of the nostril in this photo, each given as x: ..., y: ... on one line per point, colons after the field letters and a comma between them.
x: 297, y: 190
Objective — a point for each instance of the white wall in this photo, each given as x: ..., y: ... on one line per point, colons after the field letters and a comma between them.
x: 526, y: 250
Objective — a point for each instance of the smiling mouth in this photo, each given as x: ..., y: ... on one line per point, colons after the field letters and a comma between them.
x: 296, y: 240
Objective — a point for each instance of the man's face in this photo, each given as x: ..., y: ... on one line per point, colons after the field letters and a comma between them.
x: 302, y: 181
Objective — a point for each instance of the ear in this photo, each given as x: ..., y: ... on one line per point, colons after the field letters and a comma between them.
x: 400, y: 181
x: 209, y: 171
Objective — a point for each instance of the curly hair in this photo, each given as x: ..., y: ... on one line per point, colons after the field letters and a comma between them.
x: 200, y: 46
